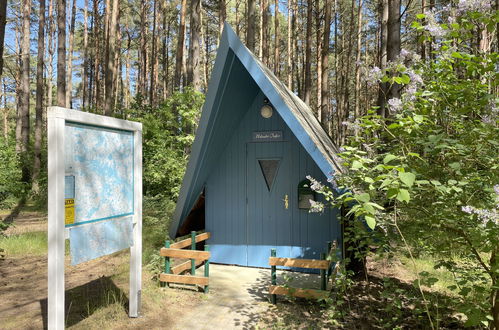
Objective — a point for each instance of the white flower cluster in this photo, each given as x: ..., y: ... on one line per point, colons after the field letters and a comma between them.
x: 481, y: 6
x: 432, y: 26
x: 395, y: 104
x: 316, y: 207
x: 494, y: 112
x: 485, y: 215
x: 314, y: 184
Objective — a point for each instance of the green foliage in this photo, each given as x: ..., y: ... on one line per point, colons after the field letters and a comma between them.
x: 11, y: 187
x: 428, y: 176
x: 168, y: 133
x: 32, y: 243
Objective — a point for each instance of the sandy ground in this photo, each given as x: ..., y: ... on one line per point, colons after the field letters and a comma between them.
x: 237, y: 297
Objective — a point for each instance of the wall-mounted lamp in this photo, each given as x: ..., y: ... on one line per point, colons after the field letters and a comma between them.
x: 266, y: 109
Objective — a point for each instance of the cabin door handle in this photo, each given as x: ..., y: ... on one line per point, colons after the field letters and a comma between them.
x: 286, y: 202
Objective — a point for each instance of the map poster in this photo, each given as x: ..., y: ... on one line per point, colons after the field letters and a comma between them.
x: 99, y: 176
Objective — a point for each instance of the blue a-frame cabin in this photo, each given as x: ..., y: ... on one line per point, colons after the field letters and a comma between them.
x: 244, y: 173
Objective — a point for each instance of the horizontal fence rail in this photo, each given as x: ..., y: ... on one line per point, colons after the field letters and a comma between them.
x: 185, y: 254
x: 188, y: 241
x: 173, y: 274
x: 323, y: 265
x: 184, y: 279
x: 300, y: 263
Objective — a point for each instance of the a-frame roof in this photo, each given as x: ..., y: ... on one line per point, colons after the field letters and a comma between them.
x: 236, y: 75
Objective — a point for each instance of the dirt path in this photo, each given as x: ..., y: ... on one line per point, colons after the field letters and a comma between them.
x: 238, y: 297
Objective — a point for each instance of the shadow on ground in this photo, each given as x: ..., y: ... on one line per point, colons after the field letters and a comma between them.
x: 375, y: 304
x: 82, y: 301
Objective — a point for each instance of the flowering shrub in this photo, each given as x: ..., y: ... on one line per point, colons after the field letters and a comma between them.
x: 427, y: 176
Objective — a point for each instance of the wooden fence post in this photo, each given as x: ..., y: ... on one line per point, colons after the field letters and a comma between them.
x: 329, y: 246
x: 323, y: 274
x: 273, y: 276
x: 207, y: 269
x: 193, y: 247
x: 167, y: 260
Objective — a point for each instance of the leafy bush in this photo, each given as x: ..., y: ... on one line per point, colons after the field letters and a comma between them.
x: 11, y: 187
x: 427, y: 176
x: 168, y: 133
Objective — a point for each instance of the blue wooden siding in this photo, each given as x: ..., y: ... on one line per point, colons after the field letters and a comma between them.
x: 236, y: 241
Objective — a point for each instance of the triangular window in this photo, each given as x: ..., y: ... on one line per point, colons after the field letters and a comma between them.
x: 269, y: 169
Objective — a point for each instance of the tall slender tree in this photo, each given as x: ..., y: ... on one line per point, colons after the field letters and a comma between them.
x: 61, y: 53
x: 251, y: 22
x: 308, y: 54
x: 357, y: 63
x: 69, y: 80
x: 276, y: 38
x: 3, y: 22
x: 222, y: 16
x: 325, y: 113
x: 23, y: 128
x: 39, y: 99
x: 179, y: 67
x: 111, y: 60
x: 84, y: 72
x: 393, y: 42
x: 382, y: 91
x: 194, y: 54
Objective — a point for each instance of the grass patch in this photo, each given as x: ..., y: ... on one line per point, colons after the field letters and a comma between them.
x: 27, y: 244
x: 33, y: 243
x: 427, y: 264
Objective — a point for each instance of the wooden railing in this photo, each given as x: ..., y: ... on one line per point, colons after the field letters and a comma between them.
x: 323, y: 265
x: 173, y: 274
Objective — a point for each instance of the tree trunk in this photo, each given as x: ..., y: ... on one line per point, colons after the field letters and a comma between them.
x: 85, y: 56
x: 69, y: 81
x: 250, y: 30
x: 166, y: 55
x: 154, y: 57
x: 118, y: 76
x: 265, y: 32
x: 5, y: 112
x: 205, y: 53
x: 179, y: 68
x: 3, y: 22
x: 143, y: 50
x: 261, y: 33
x: 290, y: 40
x: 383, y: 57
x: 423, y: 42
x: 51, y: 50
x: 325, y: 66
x: 318, y: 24
x: 195, y: 25
x: 276, y: 38
x: 494, y: 295
x: 39, y: 99
x: 61, y: 53
x: 393, y: 41
x: 357, y: 64
x: 111, y: 65
x: 237, y: 19
x: 222, y: 16
x: 23, y: 113
x: 97, y: 51
x: 308, y: 54
x: 126, y: 86
x: 294, y: 48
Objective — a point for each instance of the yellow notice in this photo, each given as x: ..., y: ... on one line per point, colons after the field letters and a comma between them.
x: 69, y: 214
